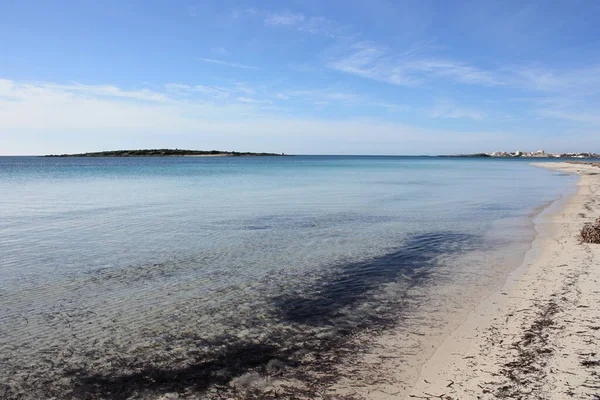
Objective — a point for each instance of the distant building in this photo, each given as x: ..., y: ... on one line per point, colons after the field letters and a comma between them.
x: 542, y: 153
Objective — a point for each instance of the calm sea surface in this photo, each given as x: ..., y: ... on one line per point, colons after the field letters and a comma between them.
x: 251, y: 215
x: 120, y: 244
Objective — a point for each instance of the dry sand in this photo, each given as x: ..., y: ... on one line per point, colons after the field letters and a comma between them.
x: 539, y: 336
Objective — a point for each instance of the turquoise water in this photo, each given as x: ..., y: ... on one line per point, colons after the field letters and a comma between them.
x: 125, y: 244
x: 59, y: 216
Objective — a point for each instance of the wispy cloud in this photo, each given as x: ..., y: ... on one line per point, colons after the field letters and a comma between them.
x: 334, y: 97
x: 316, y: 25
x: 582, y: 81
x: 244, y: 88
x: 369, y: 61
x: 322, y: 95
x: 570, y: 95
x: 227, y: 64
x: 585, y: 117
x: 216, y: 92
x: 229, y: 95
x: 304, y: 68
x: 250, y: 100
x: 9, y: 89
x: 573, y: 109
x: 408, y: 68
x: 454, y: 70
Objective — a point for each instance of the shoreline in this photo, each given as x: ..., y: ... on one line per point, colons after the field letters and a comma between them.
x: 535, y: 335
x: 405, y: 349
x: 273, y: 354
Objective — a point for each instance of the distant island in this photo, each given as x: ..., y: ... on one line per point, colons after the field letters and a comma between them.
x: 166, y: 153
x: 526, y: 154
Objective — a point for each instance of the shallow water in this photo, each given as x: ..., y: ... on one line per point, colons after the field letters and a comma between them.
x: 109, y: 255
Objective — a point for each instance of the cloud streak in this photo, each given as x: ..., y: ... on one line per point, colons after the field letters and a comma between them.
x: 315, y: 25
x: 227, y: 64
x: 583, y: 81
x: 371, y: 61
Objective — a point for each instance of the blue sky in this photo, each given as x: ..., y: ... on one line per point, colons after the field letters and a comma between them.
x: 302, y: 77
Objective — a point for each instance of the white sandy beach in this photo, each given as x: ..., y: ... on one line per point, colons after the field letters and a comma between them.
x: 539, y: 336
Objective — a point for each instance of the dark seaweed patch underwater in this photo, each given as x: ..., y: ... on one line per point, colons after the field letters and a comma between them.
x: 305, y: 338
x: 352, y: 283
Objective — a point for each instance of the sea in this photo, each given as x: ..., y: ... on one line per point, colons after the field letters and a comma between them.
x: 204, y: 275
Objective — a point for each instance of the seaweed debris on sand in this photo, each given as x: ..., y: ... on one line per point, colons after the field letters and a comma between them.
x: 536, y: 338
x: 590, y: 233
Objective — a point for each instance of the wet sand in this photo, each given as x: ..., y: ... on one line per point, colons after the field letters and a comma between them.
x: 538, y: 337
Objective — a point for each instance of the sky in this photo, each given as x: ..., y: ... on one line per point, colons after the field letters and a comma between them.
x: 300, y: 76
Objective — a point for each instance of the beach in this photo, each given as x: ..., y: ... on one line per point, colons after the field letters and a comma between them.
x: 537, y: 337
x: 300, y: 200
x: 301, y: 277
